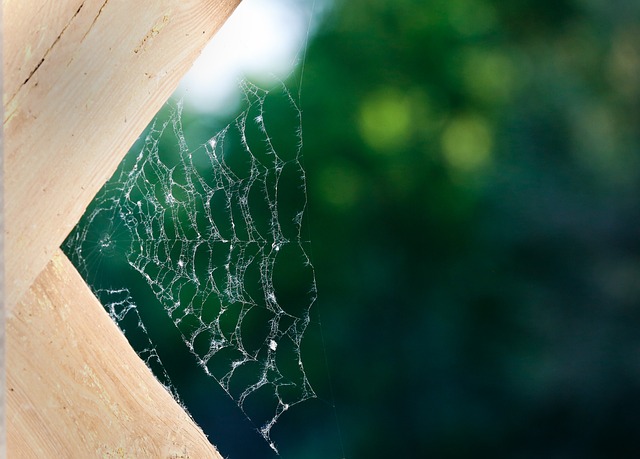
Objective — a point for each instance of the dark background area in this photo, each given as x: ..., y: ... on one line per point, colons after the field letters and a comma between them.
x: 474, y: 195
x: 473, y: 178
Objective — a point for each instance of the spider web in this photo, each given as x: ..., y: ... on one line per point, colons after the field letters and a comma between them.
x: 216, y: 233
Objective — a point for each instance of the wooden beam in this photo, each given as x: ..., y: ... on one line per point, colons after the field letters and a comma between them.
x: 69, y: 398
x: 82, y: 80
x: 44, y: 21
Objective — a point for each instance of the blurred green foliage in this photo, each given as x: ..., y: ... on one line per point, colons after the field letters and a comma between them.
x: 474, y: 189
x: 474, y: 210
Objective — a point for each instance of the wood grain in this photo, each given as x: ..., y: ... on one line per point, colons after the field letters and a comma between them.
x: 95, y: 75
x: 45, y: 21
x: 81, y: 81
x: 77, y: 389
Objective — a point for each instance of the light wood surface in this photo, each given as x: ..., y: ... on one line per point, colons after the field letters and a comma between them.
x: 45, y: 21
x: 82, y: 80
x: 77, y: 389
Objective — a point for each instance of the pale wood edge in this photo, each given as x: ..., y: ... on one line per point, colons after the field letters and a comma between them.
x: 107, y: 73
x: 75, y: 386
x: 3, y: 437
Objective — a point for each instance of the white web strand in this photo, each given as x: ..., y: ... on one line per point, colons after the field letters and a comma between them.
x: 208, y: 231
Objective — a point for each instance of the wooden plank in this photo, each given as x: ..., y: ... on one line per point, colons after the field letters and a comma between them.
x: 44, y: 21
x: 71, y: 399
x: 3, y: 438
x: 110, y: 67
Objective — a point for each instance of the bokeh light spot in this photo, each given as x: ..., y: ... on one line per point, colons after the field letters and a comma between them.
x: 385, y: 120
x: 487, y: 75
x: 467, y: 143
